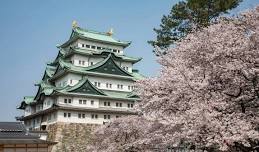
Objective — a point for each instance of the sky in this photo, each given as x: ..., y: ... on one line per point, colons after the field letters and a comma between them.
x: 31, y: 29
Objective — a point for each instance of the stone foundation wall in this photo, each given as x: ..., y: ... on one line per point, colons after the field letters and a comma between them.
x: 71, y: 137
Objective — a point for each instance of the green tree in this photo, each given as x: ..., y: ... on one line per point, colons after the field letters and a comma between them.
x: 187, y: 15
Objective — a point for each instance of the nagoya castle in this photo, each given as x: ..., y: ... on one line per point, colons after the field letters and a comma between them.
x: 90, y: 81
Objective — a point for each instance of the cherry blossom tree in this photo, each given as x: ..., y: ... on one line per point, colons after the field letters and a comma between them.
x: 206, y: 97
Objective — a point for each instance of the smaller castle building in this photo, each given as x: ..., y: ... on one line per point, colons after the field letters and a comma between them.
x: 90, y: 81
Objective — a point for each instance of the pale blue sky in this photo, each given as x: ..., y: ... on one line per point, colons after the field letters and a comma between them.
x: 30, y: 30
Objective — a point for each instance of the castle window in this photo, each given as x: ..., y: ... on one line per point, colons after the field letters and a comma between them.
x: 110, y: 85
x: 131, y: 105
x: 120, y: 104
x: 79, y: 115
x: 92, y: 102
x: 128, y: 87
x: 83, y: 45
x: 104, y: 103
x: 107, y: 116
x: 80, y: 101
x: 121, y: 86
x: 84, y: 101
x: 68, y: 115
x: 65, y: 100
x: 69, y: 100
x: 99, y: 48
x: 93, y: 47
x: 94, y: 116
x: 65, y: 114
x: 107, y: 85
x: 83, y: 115
x: 83, y: 62
x: 79, y: 62
x: 92, y: 63
x: 128, y: 105
x: 87, y: 46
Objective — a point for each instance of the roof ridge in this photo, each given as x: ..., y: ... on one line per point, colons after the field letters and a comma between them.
x: 91, y: 31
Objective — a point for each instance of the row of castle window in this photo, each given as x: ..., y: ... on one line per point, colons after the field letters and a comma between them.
x: 80, y: 101
x: 82, y: 62
x: 85, y: 101
x: 98, y: 48
x: 38, y: 120
x: 109, y: 85
x: 126, y: 68
x: 93, y: 116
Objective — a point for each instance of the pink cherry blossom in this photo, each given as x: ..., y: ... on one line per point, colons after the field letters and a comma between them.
x: 206, y: 96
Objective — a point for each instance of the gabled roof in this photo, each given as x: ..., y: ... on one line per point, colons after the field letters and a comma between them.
x: 106, y: 67
x: 26, y: 100
x: 78, y: 33
x: 83, y: 86
x: 109, y: 66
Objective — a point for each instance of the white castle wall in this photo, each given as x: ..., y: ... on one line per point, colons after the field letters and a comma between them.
x: 88, y: 117
x: 79, y: 43
x: 74, y: 78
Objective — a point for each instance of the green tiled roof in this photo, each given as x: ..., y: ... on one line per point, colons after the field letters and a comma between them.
x: 83, y: 86
x: 87, y: 85
x: 26, y: 100
x: 95, y: 36
x: 106, y: 67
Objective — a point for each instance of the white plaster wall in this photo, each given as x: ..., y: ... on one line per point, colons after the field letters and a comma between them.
x: 95, y: 60
x: 27, y: 110
x: 113, y: 104
x: 127, y: 64
x: 88, y: 117
x: 75, y: 101
x: 88, y: 61
x: 74, y: 78
x: 39, y: 107
x: 79, y: 43
x: 48, y: 102
x: 76, y: 58
x: 65, y: 80
x: 112, y: 81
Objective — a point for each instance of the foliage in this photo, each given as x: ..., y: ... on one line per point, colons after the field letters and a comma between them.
x: 187, y: 15
x: 206, y: 96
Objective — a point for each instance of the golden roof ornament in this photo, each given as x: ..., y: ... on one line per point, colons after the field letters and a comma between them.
x: 74, y: 24
x: 110, y: 32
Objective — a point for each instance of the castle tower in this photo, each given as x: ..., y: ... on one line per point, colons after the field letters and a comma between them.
x: 90, y: 81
